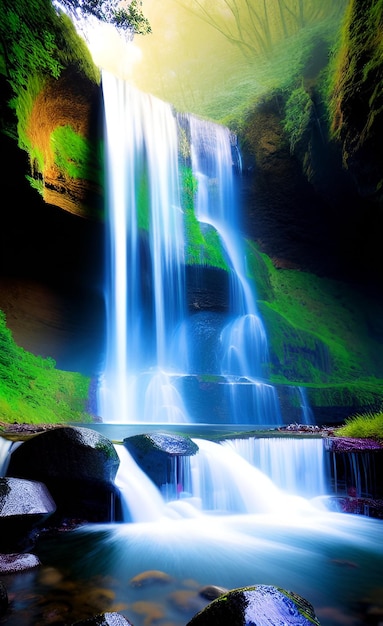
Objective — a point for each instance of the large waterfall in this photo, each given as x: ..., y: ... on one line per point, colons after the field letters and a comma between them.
x: 155, y: 359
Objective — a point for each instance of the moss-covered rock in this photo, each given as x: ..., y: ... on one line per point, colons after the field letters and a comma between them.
x: 261, y: 605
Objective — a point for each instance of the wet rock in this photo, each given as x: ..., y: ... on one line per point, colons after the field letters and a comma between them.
x: 157, y: 453
x: 78, y: 465
x: 12, y: 563
x: 104, y: 619
x: 263, y: 605
x: 23, y: 505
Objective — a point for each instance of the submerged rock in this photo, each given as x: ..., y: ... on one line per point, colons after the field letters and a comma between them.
x: 261, y: 605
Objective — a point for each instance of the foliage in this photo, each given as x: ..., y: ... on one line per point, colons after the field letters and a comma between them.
x: 75, y: 155
x: 33, y: 391
x: 74, y: 51
x: 127, y: 17
x: 364, y: 425
x: 28, y: 40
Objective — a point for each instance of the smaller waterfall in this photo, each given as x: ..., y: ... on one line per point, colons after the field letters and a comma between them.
x: 297, y: 466
x: 243, y: 341
x: 239, y: 476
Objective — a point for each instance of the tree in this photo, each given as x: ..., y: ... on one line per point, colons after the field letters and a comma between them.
x: 255, y: 26
x: 126, y: 16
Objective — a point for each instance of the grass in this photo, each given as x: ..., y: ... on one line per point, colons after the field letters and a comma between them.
x: 364, y: 426
x: 33, y: 391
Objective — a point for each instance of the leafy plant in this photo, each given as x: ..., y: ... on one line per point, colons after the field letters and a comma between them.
x: 128, y: 17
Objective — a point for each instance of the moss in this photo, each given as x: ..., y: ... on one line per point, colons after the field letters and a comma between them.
x: 75, y: 155
x: 297, y: 115
x: 203, y: 244
x: 366, y: 393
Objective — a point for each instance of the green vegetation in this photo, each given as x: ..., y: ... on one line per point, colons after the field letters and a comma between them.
x: 203, y: 244
x: 297, y: 115
x: 36, y: 45
x: 128, y: 17
x: 32, y: 391
x: 358, y: 62
x: 75, y: 155
x: 318, y: 328
x: 223, y: 56
x: 366, y: 425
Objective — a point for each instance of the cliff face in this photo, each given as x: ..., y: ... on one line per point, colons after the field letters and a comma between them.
x: 71, y: 102
x: 315, y: 197
x: 357, y: 100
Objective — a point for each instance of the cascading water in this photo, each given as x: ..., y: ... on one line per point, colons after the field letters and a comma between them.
x: 145, y: 298
x: 149, y: 343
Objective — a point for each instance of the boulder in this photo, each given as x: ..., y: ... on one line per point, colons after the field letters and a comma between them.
x: 260, y: 605
x: 157, y: 454
x: 24, y: 504
x: 78, y: 465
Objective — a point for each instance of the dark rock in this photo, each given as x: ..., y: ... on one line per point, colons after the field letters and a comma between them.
x: 24, y: 504
x: 104, y: 619
x: 3, y: 598
x: 157, y: 454
x: 78, y: 465
x: 261, y: 605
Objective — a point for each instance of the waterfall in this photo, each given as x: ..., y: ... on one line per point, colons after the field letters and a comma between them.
x: 157, y: 354
x: 243, y: 341
x: 294, y: 465
x: 145, y: 299
x: 238, y: 476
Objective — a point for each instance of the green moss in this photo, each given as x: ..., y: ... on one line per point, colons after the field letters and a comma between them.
x: 297, y: 115
x: 203, y: 244
x: 33, y: 391
x: 362, y: 392
x: 75, y: 155
x: 357, y: 65
x: 319, y: 330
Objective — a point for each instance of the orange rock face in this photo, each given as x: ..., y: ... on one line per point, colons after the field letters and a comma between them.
x: 73, y: 101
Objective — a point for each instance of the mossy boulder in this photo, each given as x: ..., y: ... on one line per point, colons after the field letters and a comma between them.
x: 78, y: 465
x: 260, y: 605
